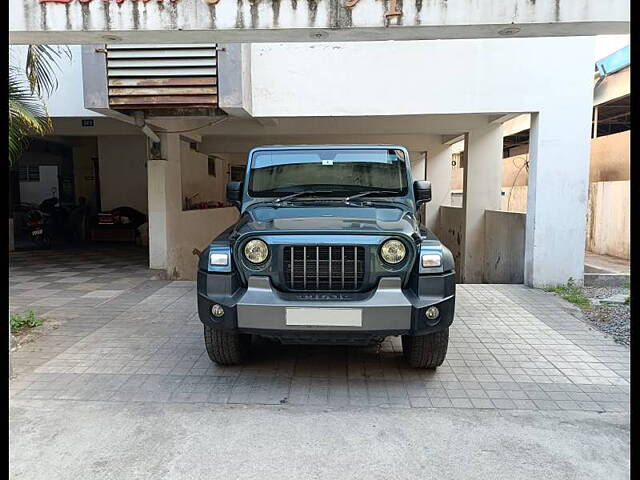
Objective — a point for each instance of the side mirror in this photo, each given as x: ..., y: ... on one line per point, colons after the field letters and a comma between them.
x: 234, y: 193
x: 422, y: 191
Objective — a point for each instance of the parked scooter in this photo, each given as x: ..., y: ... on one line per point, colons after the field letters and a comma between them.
x: 39, y: 227
x: 57, y: 218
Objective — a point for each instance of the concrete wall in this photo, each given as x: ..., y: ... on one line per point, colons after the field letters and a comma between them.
x: 174, y: 233
x: 482, y: 179
x: 12, y: 240
x: 280, y: 76
x: 610, y: 161
x: 438, y: 165
x: 504, y: 247
x: 246, y: 21
x: 514, y: 199
x: 451, y: 231
x: 123, y: 172
x: 613, y: 87
x: 84, y: 151
x: 195, y: 229
x: 608, y: 219
x: 610, y: 157
x: 195, y: 176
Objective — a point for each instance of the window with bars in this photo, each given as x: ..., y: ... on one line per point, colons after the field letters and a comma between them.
x: 29, y: 173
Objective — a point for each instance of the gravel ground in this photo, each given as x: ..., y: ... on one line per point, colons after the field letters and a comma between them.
x: 614, y: 320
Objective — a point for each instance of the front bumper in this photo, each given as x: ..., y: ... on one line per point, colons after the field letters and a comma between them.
x: 387, y: 310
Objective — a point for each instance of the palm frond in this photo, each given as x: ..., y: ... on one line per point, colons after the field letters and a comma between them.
x: 41, y: 65
x: 27, y: 115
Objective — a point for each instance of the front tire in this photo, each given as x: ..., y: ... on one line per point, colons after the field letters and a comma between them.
x: 226, y: 348
x: 426, y: 351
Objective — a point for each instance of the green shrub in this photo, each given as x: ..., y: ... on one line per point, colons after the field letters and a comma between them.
x: 571, y: 293
x: 27, y: 319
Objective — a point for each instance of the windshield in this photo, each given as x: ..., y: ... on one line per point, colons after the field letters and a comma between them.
x: 347, y: 171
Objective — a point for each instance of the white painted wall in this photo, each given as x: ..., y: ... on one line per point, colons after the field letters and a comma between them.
x: 174, y: 233
x: 123, y: 172
x: 383, y: 79
x: 462, y: 76
x: 482, y: 182
x: 417, y: 77
x: 37, y: 192
x: 67, y: 100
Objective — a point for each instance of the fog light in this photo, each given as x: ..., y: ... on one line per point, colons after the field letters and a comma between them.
x: 432, y: 313
x: 217, y: 310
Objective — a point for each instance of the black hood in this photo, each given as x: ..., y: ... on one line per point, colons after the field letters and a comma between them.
x: 328, y: 220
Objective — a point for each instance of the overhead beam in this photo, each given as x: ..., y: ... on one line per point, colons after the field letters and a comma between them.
x: 499, y: 119
x: 230, y: 21
x: 452, y: 139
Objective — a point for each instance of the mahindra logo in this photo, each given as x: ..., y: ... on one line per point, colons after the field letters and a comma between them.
x: 324, y: 296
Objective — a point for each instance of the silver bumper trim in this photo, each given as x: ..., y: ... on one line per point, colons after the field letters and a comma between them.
x: 262, y: 308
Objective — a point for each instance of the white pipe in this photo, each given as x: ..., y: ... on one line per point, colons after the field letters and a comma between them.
x: 150, y: 133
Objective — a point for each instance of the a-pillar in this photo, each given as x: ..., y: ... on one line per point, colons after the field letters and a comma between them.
x: 165, y: 197
x: 559, y: 149
x: 482, y: 191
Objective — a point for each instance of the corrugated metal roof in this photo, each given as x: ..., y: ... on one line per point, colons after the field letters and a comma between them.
x: 615, y: 62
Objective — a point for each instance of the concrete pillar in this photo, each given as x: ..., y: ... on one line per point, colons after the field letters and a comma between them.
x: 12, y: 243
x: 164, y: 194
x: 482, y: 190
x: 559, y: 150
x: 439, y: 174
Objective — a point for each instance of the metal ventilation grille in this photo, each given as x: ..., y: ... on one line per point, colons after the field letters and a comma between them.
x: 162, y: 76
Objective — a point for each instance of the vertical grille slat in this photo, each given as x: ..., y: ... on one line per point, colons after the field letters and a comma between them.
x: 342, y: 267
x: 323, y: 268
x: 304, y: 268
x: 330, y: 265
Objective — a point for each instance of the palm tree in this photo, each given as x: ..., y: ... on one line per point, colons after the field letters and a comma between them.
x: 27, y: 110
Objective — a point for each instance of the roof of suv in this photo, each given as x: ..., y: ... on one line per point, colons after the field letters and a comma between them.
x: 281, y: 147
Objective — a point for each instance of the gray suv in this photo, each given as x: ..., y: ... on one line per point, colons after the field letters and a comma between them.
x: 327, y: 250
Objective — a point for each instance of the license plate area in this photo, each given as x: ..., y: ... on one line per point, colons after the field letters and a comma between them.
x: 324, y: 317
x: 37, y: 232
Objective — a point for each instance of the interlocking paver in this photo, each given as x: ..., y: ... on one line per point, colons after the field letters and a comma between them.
x: 123, y: 336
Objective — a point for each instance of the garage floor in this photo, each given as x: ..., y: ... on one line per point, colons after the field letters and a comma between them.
x: 116, y: 384
x: 114, y: 334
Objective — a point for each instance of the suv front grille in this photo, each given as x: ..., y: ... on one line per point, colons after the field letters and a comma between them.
x: 323, y: 268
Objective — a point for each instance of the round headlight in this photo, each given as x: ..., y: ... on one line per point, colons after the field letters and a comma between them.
x: 393, y: 251
x: 256, y: 251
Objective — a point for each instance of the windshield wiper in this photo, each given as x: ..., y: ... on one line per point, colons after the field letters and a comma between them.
x: 299, y: 194
x: 370, y: 192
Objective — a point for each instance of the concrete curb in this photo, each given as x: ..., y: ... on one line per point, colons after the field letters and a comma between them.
x: 606, y: 279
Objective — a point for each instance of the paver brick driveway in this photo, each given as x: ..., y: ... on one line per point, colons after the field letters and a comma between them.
x: 115, y: 334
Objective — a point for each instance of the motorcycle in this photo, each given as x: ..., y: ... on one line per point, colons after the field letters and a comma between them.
x: 38, y: 224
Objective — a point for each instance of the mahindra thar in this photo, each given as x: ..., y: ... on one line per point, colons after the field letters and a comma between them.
x: 328, y: 250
